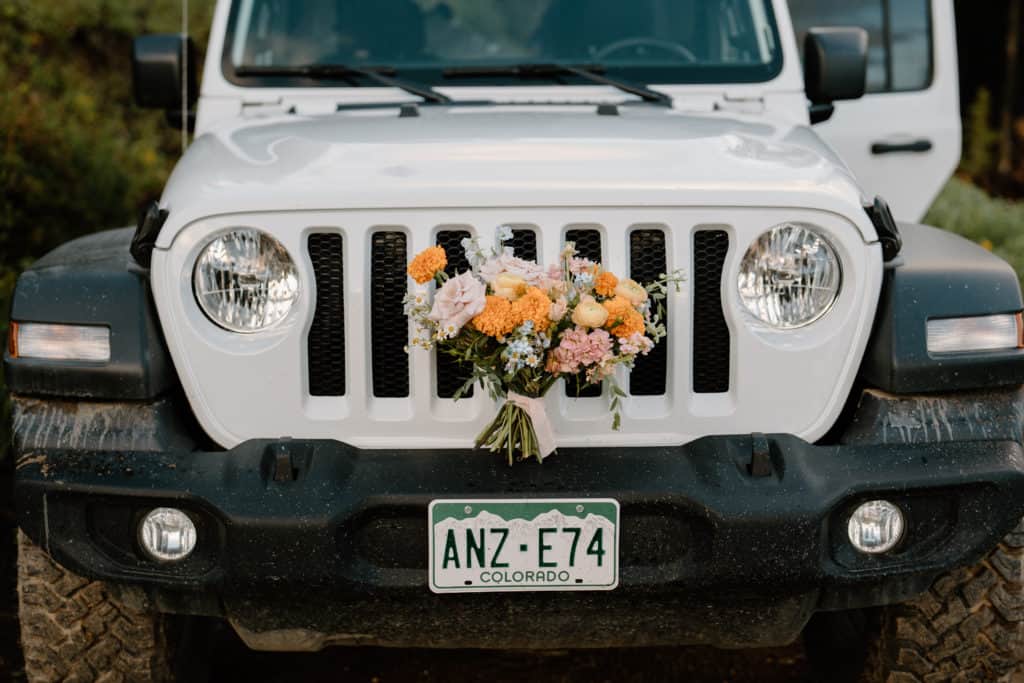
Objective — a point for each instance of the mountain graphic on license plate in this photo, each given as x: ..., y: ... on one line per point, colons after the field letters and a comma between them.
x: 523, y: 545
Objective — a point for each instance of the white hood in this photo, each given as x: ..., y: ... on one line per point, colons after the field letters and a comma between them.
x: 506, y: 156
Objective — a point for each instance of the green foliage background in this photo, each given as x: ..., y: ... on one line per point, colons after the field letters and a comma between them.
x: 77, y: 156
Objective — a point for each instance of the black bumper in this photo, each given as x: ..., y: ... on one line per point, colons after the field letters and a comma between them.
x: 337, y: 551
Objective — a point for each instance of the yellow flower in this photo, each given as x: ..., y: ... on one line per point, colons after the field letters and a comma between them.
x: 497, y: 319
x: 605, y: 284
x: 427, y: 264
x: 631, y: 290
x: 533, y: 306
x: 589, y: 313
x: 509, y: 286
x: 623, y: 319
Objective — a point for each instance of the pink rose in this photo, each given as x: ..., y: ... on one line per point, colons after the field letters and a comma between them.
x: 461, y: 299
x: 559, y: 307
x: 508, y: 264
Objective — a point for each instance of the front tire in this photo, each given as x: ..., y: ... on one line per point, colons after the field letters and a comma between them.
x: 74, y: 629
x: 969, y: 626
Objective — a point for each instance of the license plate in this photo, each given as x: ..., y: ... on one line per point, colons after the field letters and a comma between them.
x: 479, y: 546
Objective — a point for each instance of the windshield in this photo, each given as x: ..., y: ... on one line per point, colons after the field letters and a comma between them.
x: 650, y: 41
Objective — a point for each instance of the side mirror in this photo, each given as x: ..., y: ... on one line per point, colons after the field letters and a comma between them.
x: 835, y: 68
x: 159, y: 71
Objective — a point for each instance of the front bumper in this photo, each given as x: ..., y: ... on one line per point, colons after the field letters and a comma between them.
x: 306, y: 543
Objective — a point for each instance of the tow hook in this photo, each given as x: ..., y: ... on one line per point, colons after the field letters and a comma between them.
x: 760, y: 456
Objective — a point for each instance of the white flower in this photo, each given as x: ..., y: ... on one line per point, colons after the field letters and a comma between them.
x: 532, y: 273
x: 583, y: 281
x: 476, y: 255
x: 504, y: 233
x: 631, y: 290
x: 460, y: 299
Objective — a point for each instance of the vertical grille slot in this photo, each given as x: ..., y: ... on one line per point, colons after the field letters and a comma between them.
x: 588, y: 243
x: 326, y: 341
x: 389, y: 327
x: 588, y: 246
x: 524, y: 244
x: 452, y: 373
x: 711, y: 342
x: 647, y: 262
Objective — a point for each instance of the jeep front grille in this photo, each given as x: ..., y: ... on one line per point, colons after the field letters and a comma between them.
x: 648, y: 257
x: 647, y: 262
x: 710, y: 331
x: 451, y: 373
x: 524, y: 244
x: 588, y: 246
x: 389, y: 328
x: 326, y: 343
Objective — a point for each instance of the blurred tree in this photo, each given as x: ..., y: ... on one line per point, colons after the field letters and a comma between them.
x: 1007, y: 137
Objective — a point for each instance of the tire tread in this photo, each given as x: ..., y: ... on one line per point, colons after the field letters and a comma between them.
x: 969, y: 626
x: 77, y: 630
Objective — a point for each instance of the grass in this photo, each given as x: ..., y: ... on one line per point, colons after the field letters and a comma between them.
x: 996, y: 224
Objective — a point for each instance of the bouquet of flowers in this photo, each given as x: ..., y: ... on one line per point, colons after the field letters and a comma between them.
x: 523, y: 327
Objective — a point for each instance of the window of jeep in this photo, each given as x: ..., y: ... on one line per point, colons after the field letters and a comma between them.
x: 650, y: 41
x: 900, y: 31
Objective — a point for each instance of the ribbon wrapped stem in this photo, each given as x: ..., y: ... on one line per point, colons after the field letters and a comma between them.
x: 521, y: 426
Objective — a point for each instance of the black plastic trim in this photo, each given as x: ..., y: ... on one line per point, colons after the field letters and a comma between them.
x: 349, y: 526
x: 940, y: 275
x: 148, y: 229
x: 886, y: 227
x: 92, y: 280
x: 289, y: 527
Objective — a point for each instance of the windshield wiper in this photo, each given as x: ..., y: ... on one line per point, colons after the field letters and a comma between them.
x: 344, y: 72
x: 590, y: 72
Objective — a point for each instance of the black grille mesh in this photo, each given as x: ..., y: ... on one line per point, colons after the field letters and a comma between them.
x: 588, y: 243
x: 388, y: 325
x: 647, y: 262
x: 524, y: 244
x: 452, y: 373
x: 588, y: 246
x: 326, y: 342
x: 710, y: 333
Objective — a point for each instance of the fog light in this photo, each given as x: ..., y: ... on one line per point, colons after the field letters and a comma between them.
x: 875, y: 527
x: 167, y: 534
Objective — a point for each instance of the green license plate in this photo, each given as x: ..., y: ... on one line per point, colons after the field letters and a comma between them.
x: 523, y: 545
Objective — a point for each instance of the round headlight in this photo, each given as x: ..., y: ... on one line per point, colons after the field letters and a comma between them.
x: 245, y: 281
x: 790, y: 276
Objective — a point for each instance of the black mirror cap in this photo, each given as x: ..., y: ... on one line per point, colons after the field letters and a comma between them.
x: 157, y: 64
x: 835, y: 64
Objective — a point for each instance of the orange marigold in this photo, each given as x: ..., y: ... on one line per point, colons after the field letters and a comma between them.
x: 534, y: 305
x: 427, y: 264
x: 623, y: 318
x: 605, y: 284
x: 497, y: 319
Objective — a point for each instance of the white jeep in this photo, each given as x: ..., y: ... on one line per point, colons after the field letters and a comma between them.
x: 851, y: 469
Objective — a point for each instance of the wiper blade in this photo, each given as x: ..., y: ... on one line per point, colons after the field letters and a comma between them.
x: 382, y: 75
x: 590, y: 72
